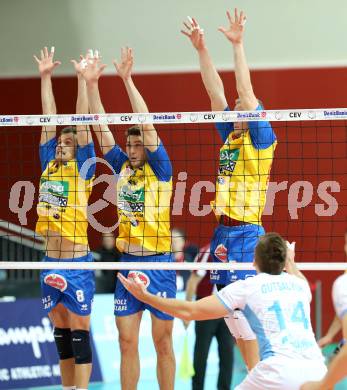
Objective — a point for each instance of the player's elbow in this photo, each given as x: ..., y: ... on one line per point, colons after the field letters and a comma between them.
x: 192, y: 312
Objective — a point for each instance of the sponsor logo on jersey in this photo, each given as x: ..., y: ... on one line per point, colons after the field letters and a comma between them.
x: 141, y: 275
x: 56, y: 281
x: 227, y: 160
x: 221, y: 253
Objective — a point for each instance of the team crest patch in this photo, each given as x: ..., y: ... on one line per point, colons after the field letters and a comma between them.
x: 141, y: 275
x: 221, y: 253
x: 56, y: 281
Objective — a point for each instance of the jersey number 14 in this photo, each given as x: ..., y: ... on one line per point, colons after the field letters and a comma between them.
x: 298, y: 314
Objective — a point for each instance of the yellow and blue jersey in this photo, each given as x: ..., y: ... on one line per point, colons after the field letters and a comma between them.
x: 64, y: 192
x: 244, y: 169
x: 143, y: 200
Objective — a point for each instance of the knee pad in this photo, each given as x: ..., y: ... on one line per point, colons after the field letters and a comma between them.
x: 62, y: 337
x: 81, y: 346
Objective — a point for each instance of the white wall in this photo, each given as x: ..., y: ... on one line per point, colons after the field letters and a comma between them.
x: 280, y: 33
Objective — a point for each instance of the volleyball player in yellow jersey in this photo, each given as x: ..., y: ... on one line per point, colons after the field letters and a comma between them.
x: 144, y: 190
x: 62, y: 220
x: 245, y: 162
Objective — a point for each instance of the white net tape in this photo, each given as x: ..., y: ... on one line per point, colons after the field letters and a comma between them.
x: 158, y: 266
x: 175, y: 117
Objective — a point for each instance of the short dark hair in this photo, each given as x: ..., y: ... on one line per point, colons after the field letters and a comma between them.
x: 271, y: 253
x: 133, y: 130
x: 68, y: 130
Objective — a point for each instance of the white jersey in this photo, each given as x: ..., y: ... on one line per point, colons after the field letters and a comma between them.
x: 340, y: 295
x: 277, y: 308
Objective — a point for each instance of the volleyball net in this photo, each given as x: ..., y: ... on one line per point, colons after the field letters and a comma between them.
x: 306, y: 200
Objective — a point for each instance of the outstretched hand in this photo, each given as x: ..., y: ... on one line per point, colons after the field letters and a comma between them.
x: 134, y: 285
x: 234, y: 33
x: 46, y: 63
x: 91, y: 67
x: 83, y: 62
x: 124, y: 68
x: 195, y: 33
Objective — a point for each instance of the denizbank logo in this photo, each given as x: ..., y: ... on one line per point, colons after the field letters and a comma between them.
x: 251, y: 115
x: 166, y: 117
x: 335, y: 114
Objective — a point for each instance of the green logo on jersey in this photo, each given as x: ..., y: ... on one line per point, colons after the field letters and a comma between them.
x: 54, y: 192
x: 131, y: 200
x: 227, y: 160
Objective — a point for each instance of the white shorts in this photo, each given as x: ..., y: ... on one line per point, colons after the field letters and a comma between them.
x: 280, y: 373
x: 239, y: 326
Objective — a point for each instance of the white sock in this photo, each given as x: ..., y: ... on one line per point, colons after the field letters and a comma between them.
x: 69, y: 387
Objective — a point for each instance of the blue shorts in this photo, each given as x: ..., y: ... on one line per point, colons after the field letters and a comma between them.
x: 73, y: 288
x: 159, y: 282
x: 234, y: 243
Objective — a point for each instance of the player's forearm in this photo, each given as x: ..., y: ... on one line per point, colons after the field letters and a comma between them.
x: 82, y: 96
x: 292, y: 269
x: 83, y: 133
x: 243, y: 77
x: 137, y: 102
x: 211, y: 79
x: 337, y: 370
x: 103, y: 133
x: 191, y: 288
x: 47, y: 97
x: 334, y: 328
x: 173, y: 307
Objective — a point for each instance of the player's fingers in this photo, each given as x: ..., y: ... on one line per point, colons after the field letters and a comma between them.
x: 222, y: 29
x: 189, y: 28
x: 102, y: 67
x: 42, y: 55
x: 185, y: 33
x: 123, y: 53
x: 229, y: 17
x: 190, y: 20
x: 56, y: 63
x: 51, y: 53
x: 236, y: 16
x: 137, y: 279
x: 195, y: 22
x: 45, y: 51
x: 36, y: 59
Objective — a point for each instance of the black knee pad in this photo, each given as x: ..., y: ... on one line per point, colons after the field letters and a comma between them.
x: 81, y: 346
x: 62, y: 337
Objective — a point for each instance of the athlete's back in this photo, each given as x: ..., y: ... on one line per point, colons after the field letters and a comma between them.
x: 277, y: 308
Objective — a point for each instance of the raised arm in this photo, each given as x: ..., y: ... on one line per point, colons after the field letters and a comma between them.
x: 83, y: 132
x: 91, y: 74
x: 210, y: 77
x: 337, y: 368
x: 333, y: 330
x: 290, y: 266
x: 234, y: 33
x: 46, y: 65
x: 124, y: 68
